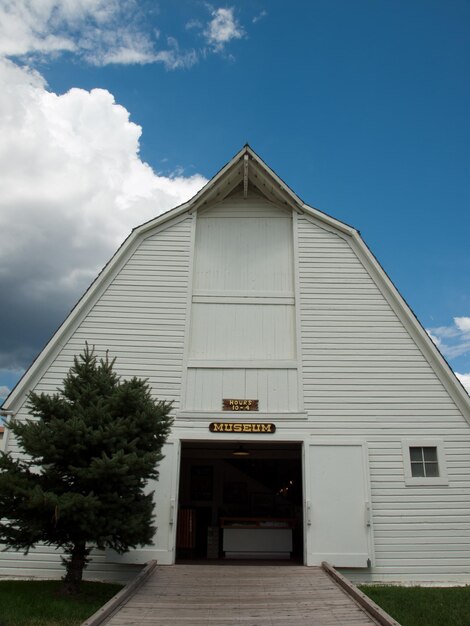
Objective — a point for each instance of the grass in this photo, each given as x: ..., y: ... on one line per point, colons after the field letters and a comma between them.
x: 423, y: 606
x: 37, y: 603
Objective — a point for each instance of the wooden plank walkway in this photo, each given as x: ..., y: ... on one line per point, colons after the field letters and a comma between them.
x: 239, y: 595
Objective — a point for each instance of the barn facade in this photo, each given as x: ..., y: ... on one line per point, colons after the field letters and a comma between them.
x: 314, y: 419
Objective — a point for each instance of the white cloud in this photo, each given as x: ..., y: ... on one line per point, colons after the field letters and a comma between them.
x: 260, y: 16
x: 222, y: 28
x: 103, y: 32
x: 463, y: 324
x: 51, y: 26
x: 465, y: 380
x: 197, y: 24
x: 435, y: 339
x: 73, y: 186
x: 453, y: 340
x: 120, y: 45
x: 174, y: 58
x: 29, y: 27
x: 4, y: 391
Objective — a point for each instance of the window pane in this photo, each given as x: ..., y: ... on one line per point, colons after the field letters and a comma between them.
x: 417, y: 469
x: 430, y: 454
x: 416, y: 454
x: 432, y: 469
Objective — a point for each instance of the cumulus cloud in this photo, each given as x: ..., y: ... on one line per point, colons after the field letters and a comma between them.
x: 463, y: 324
x: 454, y: 340
x: 222, y: 28
x: 465, y: 380
x: 73, y: 186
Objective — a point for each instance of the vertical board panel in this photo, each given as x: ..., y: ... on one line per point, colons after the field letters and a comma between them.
x: 243, y: 305
x: 242, y: 331
x: 240, y: 250
x: 276, y: 389
x: 337, y: 488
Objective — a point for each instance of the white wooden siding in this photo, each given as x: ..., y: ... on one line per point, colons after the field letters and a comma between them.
x: 338, y: 482
x: 251, y: 254
x: 243, y: 307
x: 44, y: 562
x: 363, y: 376
x: 242, y: 331
x: 276, y: 389
x: 140, y: 318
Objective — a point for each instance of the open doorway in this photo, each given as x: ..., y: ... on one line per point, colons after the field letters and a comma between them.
x: 240, y: 500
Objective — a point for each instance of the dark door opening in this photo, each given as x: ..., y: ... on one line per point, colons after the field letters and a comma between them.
x: 240, y: 501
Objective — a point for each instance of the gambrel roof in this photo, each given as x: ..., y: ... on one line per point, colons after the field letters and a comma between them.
x: 246, y: 172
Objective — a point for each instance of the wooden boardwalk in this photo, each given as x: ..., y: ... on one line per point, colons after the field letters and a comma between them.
x: 239, y: 595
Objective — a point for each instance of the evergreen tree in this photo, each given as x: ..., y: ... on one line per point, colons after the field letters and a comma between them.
x: 90, y: 450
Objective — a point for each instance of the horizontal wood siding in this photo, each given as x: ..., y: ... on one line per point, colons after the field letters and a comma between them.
x: 45, y: 562
x: 363, y: 376
x: 140, y: 318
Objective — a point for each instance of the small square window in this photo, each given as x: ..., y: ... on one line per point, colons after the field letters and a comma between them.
x: 424, y: 462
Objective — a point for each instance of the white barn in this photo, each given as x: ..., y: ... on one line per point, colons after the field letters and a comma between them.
x: 278, y: 335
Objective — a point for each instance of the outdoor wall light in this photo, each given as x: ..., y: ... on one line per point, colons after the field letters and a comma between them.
x: 241, y: 451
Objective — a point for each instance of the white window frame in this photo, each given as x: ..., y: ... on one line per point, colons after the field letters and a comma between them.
x: 411, y: 480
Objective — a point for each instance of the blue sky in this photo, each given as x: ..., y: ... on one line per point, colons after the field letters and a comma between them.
x: 111, y: 112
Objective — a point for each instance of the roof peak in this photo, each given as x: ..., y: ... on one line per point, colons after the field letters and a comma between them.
x: 246, y: 166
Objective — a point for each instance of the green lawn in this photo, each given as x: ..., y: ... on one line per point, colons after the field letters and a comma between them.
x: 423, y: 606
x: 37, y: 603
